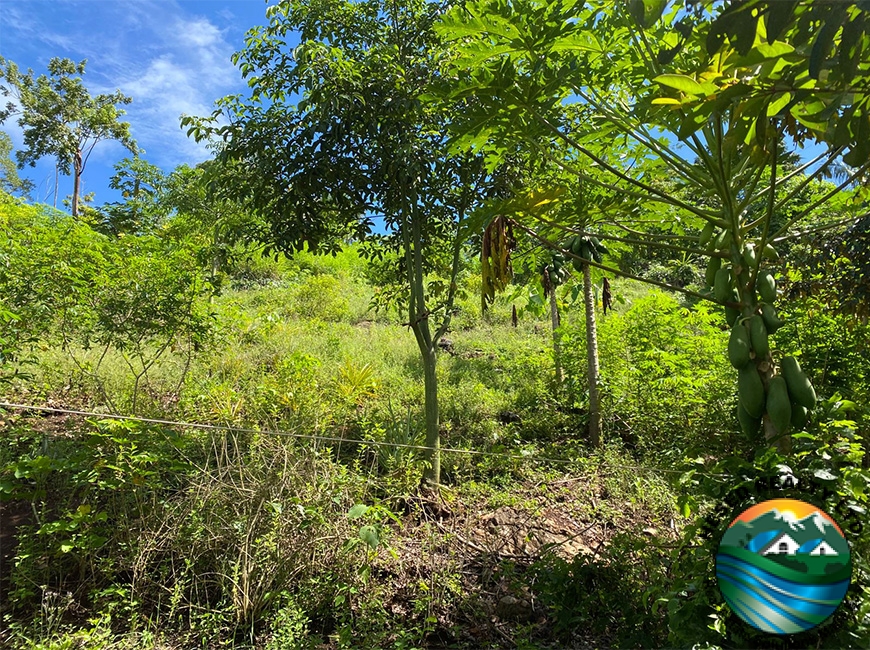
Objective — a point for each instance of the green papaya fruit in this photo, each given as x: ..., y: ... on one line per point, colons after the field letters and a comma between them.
x: 778, y: 404
x: 799, y: 385
x: 770, y: 253
x: 713, y: 266
x: 771, y: 320
x: 723, y: 241
x: 586, y: 251
x: 758, y: 337
x: 706, y: 234
x: 578, y: 265
x: 748, y: 424
x: 576, y: 243
x: 722, y: 284
x: 766, y: 286
x: 738, y: 345
x: 596, y: 255
x: 799, y: 415
x: 750, y: 390
x: 749, y: 257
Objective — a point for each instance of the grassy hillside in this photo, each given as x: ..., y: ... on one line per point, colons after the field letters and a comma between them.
x: 298, y: 523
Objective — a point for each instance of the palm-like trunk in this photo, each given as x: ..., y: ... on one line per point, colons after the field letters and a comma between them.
x: 592, y: 359
x: 557, y: 342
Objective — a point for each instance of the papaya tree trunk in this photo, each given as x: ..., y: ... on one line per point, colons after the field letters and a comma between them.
x: 557, y: 339
x: 592, y: 359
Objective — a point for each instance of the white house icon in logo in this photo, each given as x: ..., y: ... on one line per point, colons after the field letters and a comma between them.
x: 783, y: 544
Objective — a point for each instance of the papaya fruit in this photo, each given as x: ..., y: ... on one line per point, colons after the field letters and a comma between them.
x: 778, y: 404
x: 799, y: 415
x: 766, y: 286
x: 748, y: 424
x: 713, y: 266
x: 750, y: 390
x: 758, y: 337
x: 586, y: 251
x: 578, y: 265
x: 576, y: 243
x: 723, y: 241
x: 799, y: 386
x: 706, y: 234
x: 722, y: 284
x: 749, y: 257
x: 738, y: 345
x: 771, y: 320
x: 770, y: 253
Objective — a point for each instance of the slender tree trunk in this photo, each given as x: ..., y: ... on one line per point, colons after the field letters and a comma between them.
x: 77, y: 179
x: 433, y: 425
x: 56, y: 180
x: 592, y: 359
x: 557, y: 339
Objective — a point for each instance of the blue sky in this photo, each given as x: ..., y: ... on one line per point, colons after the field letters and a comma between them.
x: 170, y: 56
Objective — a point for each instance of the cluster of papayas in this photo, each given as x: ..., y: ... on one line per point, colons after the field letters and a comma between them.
x: 789, y: 397
x: 587, y: 248
x: 555, y: 270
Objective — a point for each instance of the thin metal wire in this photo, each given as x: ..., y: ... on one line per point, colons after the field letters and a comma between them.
x: 305, y: 436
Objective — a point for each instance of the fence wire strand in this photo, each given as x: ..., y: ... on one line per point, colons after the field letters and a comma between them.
x: 333, y: 439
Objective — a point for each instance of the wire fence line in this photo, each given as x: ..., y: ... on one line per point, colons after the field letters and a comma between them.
x: 335, y: 439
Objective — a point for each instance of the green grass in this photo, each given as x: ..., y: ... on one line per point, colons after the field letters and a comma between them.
x: 245, y: 539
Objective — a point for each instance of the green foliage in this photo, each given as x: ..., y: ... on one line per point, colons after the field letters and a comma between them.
x: 831, y: 453
x: 320, y: 296
x: 143, y: 186
x: 73, y: 286
x: 665, y: 388
x: 60, y: 118
x: 10, y: 181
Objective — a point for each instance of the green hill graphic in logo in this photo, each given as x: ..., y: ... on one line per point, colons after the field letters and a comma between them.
x: 783, y: 566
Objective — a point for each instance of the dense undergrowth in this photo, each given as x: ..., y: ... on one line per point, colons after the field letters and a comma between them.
x: 290, y: 526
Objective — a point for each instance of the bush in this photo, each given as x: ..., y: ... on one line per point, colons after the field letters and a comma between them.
x: 666, y: 383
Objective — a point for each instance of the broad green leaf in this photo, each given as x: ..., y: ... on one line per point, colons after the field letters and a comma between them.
x: 778, y: 104
x: 682, y: 83
x: 357, y: 511
x: 669, y: 101
x: 369, y: 535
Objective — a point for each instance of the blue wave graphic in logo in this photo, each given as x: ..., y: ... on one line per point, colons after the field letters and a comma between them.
x: 774, y: 604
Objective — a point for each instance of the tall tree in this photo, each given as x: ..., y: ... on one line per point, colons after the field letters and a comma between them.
x: 60, y: 118
x: 359, y: 144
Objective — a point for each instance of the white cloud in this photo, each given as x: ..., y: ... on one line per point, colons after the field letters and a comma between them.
x: 168, y: 60
x: 189, y: 69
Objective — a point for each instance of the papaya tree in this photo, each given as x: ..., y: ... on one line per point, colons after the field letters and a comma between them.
x: 701, y: 94
x: 358, y: 145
